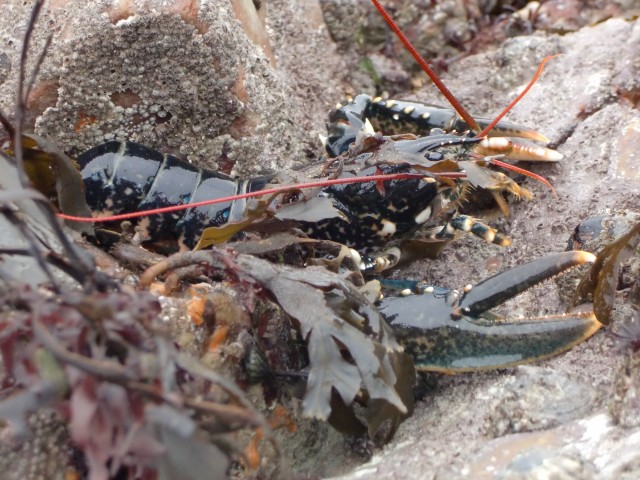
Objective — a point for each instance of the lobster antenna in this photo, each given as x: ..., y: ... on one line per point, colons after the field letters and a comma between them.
x: 513, y: 103
x: 428, y: 70
x: 523, y: 171
x: 454, y: 102
x: 259, y: 193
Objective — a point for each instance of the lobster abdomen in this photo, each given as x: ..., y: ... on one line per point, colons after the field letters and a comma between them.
x: 124, y: 177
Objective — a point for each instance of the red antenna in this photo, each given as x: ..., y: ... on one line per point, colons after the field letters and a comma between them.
x: 428, y: 70
x: 443, y: 88
x: 259, y: 193
x: 519, y: 97
x: 522, y: 171
x: 288, y: 188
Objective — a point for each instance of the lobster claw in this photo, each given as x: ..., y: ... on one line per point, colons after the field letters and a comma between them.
x: 447, y: 334
x: 514, y: 141
x: 516, y: 149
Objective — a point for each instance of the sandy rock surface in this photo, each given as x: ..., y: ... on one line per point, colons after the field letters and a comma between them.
x: 214, y: 84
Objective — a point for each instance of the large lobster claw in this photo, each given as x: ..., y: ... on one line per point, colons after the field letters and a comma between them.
x: 444, y: 333
x: 513, y: 141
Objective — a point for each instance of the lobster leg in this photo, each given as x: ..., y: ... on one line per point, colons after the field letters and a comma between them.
x: 446, y: 334
x: 464, y: 223
x: 390, y: 257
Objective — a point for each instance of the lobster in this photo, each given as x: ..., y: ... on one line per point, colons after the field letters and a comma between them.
x: 457, y: 333
x: 124, y: 177
x: 454, y: 332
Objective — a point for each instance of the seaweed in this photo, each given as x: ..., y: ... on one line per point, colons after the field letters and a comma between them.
x: 99, y: 353
x: 599, y: 285
x: 105, y: 360
x: 351, y: 350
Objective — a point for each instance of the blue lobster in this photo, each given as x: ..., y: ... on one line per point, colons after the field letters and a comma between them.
x: 443, y: 331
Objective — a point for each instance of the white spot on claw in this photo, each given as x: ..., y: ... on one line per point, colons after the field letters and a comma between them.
x: 495, y: 142
x: 357, y: 259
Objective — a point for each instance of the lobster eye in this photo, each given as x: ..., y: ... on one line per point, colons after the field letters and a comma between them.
x: 435, y: 156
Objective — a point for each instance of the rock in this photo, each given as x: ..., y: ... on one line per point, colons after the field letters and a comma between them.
x: 536, y: 399
x: 202, y: 83
x: 46, y: 454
